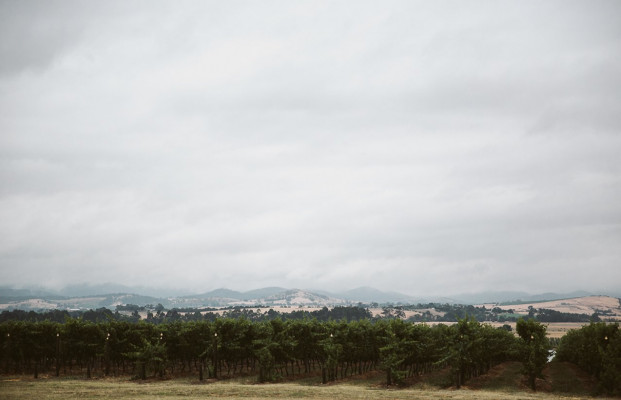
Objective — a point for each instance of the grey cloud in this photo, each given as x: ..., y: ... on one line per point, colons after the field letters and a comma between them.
x: 32, y: 38
x: 412, y: 146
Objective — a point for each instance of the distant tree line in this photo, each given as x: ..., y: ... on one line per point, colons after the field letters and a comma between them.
x: 185, y: 315
x: 158, y: 314
x: 546, y: 315
x: 454, y: 312
x: 98, y: 315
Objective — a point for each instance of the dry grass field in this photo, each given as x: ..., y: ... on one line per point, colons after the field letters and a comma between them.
x: 120, y: 389
x: 579, y: 305
x: 555, y: 329
x: 503, y: 382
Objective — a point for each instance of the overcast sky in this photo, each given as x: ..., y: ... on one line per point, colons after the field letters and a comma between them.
x: 426, y: 147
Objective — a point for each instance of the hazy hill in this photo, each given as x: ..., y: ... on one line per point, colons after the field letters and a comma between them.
x: 367, y: 294
x: 85, y: 290
x: 77, y: 303
x: 300, y: 298
x: 265, y: 296
x: 263, y: 292
x: 218, y: 293
x: 8, y: 294
x: 39, y: 299
x: 224, y: 293
x: 513, y: 297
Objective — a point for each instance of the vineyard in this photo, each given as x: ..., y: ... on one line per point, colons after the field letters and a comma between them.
x: 276, y: 350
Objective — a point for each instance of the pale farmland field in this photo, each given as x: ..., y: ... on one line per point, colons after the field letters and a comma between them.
x: 554, y: 329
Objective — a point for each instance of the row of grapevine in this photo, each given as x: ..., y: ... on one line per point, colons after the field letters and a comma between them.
x: 269, y: 349
x: 474, y: 348
x: 596, y: 348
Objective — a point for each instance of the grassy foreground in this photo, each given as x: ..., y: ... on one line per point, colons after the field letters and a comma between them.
x: 503, y: 382
x: 16, y: 388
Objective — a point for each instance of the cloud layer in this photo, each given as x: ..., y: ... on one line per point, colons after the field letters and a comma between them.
x: 423, y: 147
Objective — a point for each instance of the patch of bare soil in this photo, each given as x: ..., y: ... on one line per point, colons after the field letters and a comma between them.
x: 568, y: 378
x: 505, y: 376
x: 436, y: 379
x: 558, y: 378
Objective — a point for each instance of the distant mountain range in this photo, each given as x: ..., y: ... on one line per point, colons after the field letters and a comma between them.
x: 111, y: 295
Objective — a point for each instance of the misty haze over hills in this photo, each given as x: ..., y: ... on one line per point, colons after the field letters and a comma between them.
x: 109, y: 295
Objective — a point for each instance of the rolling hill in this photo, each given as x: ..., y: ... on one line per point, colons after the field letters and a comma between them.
x: 38, y: 300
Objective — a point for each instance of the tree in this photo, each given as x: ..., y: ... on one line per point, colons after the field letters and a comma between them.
x: 595, y: 348
x: 610, y: 377
x: 534, y: 349
x: 461, y: 349
x: 398, y: 349
x: 330, y: 351
x: 149, y: 356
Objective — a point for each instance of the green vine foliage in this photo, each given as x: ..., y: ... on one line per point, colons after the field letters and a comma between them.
x: 596, y: 348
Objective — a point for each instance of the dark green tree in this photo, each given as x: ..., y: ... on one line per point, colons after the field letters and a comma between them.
x: 149, y: 356
x: 534, y: 349
x: 596, y: 348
